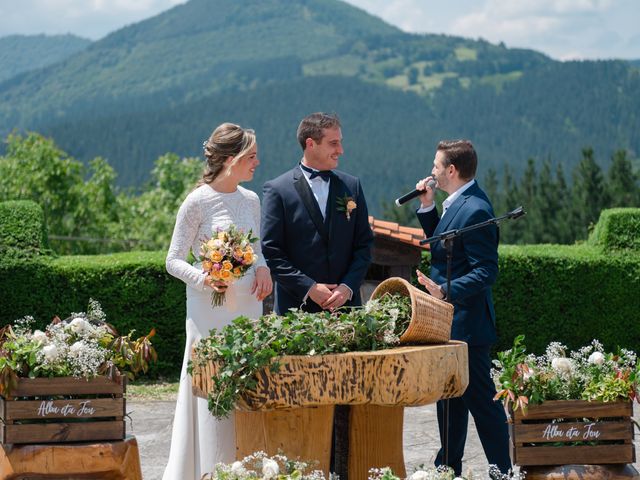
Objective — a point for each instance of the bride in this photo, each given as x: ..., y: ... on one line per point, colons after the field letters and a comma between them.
x: 198, y: 440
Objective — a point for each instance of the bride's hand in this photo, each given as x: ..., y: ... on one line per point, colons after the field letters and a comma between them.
x: 262, y: 285
x: 217, y: 285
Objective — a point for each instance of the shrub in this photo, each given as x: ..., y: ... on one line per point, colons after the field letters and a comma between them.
x: 22, y: 229
x: 617, y: 229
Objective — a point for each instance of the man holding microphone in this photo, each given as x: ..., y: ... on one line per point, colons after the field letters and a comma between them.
x: 474, y: 270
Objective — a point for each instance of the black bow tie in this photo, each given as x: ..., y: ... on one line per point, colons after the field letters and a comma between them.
x: 325, y: 175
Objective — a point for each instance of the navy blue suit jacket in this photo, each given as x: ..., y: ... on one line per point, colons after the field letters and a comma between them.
x: 301, y: 248
x: 474, y: 267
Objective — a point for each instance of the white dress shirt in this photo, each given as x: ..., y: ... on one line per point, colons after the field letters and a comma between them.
x: 320, y: 189
x: 449, y: 200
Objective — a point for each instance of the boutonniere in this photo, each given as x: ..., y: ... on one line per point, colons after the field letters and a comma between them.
x: 347, y: 205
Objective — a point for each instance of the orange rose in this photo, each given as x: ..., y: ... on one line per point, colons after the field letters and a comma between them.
x: 227, y: 265
x: 207, y: 265
x: 225, y: 274
x: 216, y: 256
x: 247, y: 258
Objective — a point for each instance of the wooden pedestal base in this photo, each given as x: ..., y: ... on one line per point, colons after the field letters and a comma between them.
x: 375, y: 436
x: 119, y: 460
x: 582, y: 472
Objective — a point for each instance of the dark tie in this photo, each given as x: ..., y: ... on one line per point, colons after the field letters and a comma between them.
x: 325, y: 175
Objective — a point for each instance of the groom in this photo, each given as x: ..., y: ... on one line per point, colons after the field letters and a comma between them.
x: 316, y: 239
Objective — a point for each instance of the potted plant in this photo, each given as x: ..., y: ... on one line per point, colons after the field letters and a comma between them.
x: 568, y: 407
x: 67, y: 383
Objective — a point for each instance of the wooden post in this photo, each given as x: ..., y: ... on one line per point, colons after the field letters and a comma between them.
x: 303, y: 433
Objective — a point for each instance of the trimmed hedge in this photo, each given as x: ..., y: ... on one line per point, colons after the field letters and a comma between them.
x: 571, y: 294
x: 617, y: 229
x: 134, y: 289
x: 22, y: 229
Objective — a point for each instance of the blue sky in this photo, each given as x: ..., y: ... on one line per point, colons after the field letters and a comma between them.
x: 563, y: 29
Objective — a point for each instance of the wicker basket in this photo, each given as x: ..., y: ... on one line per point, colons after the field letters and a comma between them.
x: 430, y: 318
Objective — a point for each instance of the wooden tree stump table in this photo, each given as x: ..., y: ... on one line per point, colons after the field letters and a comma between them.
x: 114, y: 460
x: 292, y: 410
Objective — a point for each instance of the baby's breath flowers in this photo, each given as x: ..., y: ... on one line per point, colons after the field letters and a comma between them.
x: 588, y: 373
x: 259, y: 466
x: 83, y: 345
x: 444, y: 472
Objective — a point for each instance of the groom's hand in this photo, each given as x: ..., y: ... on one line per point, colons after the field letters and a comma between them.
x: 340, y: 295
x: 321, y: 292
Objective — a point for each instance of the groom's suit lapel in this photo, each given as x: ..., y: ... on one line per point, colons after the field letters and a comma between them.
x: 308, y: 200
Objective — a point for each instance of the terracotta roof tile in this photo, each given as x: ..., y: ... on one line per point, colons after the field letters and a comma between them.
x: 392, y: 230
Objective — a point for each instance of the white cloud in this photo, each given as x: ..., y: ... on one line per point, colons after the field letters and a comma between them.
x: 560, y: 28
x: 87, y: 18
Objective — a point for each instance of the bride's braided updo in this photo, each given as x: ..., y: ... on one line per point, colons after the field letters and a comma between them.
x: 227, y: 140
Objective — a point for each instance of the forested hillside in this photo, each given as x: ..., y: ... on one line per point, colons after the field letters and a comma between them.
x: 163, y: 84
x: 22, y: 53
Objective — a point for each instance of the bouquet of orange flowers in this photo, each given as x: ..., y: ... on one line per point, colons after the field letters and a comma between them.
x: 227, y: 256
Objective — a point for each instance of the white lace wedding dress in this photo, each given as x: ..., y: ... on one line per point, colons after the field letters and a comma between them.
x: 198, y: 440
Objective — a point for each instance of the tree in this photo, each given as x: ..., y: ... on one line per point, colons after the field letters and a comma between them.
x: 622, y: 184
x: 34, y: 168
x: 588, y: 194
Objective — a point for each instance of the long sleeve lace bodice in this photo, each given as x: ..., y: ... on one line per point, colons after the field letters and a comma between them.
x: 200, y: 214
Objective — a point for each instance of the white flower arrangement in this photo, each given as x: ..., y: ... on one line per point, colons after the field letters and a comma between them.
x: 260, y: 466
x: 588, y: 373
x: 83, y: 346
x: 444, y: 473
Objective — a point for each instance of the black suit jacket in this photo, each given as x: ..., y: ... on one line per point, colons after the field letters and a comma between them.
x: 474, y: 267
x: 301, y: 248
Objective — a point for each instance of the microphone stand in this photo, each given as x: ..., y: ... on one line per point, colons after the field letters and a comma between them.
x: 447, y: 241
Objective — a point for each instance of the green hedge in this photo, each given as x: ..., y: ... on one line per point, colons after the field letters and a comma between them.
x: 617, y: 229
x: 22, y: 229
x: 571, y: 294
x: 134, y: 290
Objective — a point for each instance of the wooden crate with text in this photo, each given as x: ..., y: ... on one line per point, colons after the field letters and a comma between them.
x: 64, y: 409
x: 563, y: 432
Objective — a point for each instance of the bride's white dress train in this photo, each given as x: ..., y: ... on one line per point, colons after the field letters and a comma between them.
x: 198, y: 440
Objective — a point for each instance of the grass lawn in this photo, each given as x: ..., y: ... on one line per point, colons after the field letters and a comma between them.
x: 152, y: 389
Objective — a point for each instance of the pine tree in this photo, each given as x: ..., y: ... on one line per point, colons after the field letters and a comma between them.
x: 623, y: 183
x: 588, y: 194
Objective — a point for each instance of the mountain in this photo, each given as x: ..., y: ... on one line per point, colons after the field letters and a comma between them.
x: 22, y: 53
x: 164, y: 83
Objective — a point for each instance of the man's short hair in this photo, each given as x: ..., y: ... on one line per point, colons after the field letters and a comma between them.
x: 460, y: 154
x: 312, y: 127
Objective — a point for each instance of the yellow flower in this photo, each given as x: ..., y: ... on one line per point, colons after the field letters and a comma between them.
x: 225, y: 274
x: 215, y: 274
x: 237, y: 271
x: 249, y: 249
x: 222, y: 236
x: 211, y: 244
x: 216, y: 256
x: 207, y: 265
x: 227, y: 265
x: 248, y: 258
x: 351, y: 205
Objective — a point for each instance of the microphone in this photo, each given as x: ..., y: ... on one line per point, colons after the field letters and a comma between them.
x: 416, y: 193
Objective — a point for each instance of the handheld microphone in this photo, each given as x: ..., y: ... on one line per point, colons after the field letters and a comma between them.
x: 416, y: 193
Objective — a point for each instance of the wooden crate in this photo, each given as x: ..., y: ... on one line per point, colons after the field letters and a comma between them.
x: 64, y: 409
x: 556, y: 433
